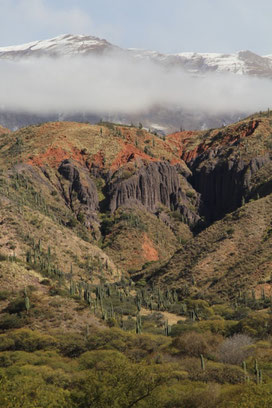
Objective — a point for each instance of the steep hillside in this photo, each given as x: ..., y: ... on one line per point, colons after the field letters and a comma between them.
x: 111, y: 200
x: 229, y: 164
x: 230, y: 259
x: 72, y: 178
x: 231, y: 170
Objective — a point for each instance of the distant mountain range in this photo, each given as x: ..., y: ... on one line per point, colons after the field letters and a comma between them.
x: 162, y: 118
x: 243, y: 62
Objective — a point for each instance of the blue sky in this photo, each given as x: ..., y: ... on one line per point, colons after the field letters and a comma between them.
x: 167, y: 26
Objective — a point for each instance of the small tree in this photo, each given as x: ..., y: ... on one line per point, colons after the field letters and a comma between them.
x: 235, y: 349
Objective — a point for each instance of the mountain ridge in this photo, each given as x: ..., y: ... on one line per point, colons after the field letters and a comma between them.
x: 241, y: 62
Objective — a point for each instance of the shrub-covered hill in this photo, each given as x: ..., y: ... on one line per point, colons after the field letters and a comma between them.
x: 231, y: 170
x: 228, y: 260
x: 135, y: 271
x: 109, y: 201
x: 108, y: 185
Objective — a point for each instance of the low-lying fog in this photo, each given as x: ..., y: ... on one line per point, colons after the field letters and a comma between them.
x: 117, y: 84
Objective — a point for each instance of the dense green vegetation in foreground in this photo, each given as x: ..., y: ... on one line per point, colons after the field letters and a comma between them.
x: 214, y: 356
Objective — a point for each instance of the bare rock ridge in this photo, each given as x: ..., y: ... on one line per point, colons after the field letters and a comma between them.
x: 154, y: 184
x: 224, y: 179
x: 224, y: 184
x: 220, y: 183
x: 83, y: 187
x: 220, y: 186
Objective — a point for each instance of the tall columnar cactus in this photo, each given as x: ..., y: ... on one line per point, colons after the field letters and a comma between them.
x: 256, y: 366
x: 89, y: 299
x: 184, y: 308
x: 28, y: 257
x: 263, y: 294
x: 202, y: 361
x: 193, y: 315
x: 259, y: 377
x: 108, y: 291
x: 138, y: 324
x: 253, y: 295
x: 138, y: 303
x: 121, y: 321
x: 35, y: 257
x: 167, y: 328
x: 104, y: 314
x: 72, y: 288
x: 245, y: 371
x: 27, y: 304
x: 112, y: 311
x: 71, y: 271
x: 244, y: 367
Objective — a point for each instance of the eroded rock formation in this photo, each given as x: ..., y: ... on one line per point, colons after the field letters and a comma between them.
x: 154, y: 184
x: 83, y: 187
x: 222, y: 182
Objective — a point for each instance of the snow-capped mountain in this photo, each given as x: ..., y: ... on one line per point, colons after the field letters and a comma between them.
x: 243, y: 62
x: 162, y: 118
x: 64, y: 45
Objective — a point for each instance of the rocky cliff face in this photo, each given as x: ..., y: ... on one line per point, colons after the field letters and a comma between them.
x: 221, y: 185
x: 154, y: 184
x: 81, y: 193
x: 223, y: 163
x: 223, y: 182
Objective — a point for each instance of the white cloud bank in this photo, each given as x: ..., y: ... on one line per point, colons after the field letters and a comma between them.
x: 115, y: 85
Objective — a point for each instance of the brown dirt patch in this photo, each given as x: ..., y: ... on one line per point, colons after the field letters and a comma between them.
x: 150, y: 253
x: 129, y: 153
x: 54, y: 156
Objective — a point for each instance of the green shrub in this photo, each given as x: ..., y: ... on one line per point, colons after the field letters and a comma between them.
x: 16, y: 306
x: 194, y: 344
x: 72, y: 346
x: 219, y: 373
x: 8, y: 321
x: 27, y: 340
x: 4, y: 295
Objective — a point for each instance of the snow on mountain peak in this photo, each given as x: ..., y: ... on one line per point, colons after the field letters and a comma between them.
x: 243, y: 62
x: 66, y: 44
